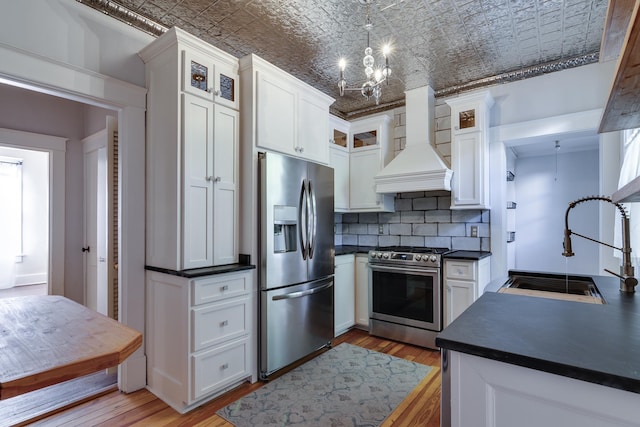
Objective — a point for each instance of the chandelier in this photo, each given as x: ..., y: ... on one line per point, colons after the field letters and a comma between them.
x: 372, y: 87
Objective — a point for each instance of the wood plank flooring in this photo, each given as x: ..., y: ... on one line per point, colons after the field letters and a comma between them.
x: 142, y: 408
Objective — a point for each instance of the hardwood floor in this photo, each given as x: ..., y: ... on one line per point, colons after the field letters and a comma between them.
x: 142, y: 408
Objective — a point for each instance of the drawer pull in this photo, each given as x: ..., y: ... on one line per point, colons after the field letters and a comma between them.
x: 224, y: 288
x: 224, y: 366
x: 224, y: 323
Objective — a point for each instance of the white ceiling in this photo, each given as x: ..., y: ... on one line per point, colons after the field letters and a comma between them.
x: 545, y: 146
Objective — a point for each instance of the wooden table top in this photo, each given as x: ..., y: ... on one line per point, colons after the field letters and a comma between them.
x: 45, y: 340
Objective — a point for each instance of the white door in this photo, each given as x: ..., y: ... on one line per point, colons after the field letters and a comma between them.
x: 99, y: 220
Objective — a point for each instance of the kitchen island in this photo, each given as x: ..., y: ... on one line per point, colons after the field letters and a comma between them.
x: 528, y: 361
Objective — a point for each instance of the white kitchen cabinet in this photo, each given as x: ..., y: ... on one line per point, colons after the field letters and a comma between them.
x: 370, y: 141
x: 362, y: 291
x: 344, y: 293
x: 287, y: 115
x: 198, y: 336
x: 470, y: 150
x: 464, y: 282
x: 192, y: 153
x: 339, y: 161
x: 488, y: 393
x: 207, y: 77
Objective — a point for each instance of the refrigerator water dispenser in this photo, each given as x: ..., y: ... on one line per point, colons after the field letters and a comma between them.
x: 285, y: 223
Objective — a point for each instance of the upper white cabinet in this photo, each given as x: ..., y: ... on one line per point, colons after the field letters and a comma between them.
x: 288, y: 115
x: 370, y: 151
x: 470, y: 150
x: 209, y: 78
x: 192, y: 153
x: 339, y: 161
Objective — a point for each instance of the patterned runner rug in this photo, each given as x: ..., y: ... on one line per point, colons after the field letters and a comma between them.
x: 346, y: 386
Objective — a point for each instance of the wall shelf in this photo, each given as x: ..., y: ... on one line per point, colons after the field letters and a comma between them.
x: 629, y: 193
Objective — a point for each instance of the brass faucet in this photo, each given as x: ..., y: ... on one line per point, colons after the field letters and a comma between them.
x: 627, y: 280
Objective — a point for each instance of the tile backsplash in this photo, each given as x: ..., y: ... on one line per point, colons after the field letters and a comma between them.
x: 420, y: 219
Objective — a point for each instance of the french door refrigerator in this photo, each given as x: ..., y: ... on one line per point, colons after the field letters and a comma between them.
x: 296, y: 251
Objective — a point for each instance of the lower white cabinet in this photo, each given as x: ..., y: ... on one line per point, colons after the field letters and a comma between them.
x: 362, y: 290
x: 198, y: 336
x: 488, y: 393
x: 344, y: 293
x: 464, y: 282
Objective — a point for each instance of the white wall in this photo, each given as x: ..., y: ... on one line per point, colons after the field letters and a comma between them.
x: 72, y: 33
x: 563, y: 92
x: 32, y: 269
x: 542, y: 203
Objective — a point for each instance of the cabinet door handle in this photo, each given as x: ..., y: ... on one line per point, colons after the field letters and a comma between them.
x: 301, y: 149
x: 224, y: 323
x: 209, y: 178
x: 224, y: 366
x: 224, y: 288
x: 218, y: 179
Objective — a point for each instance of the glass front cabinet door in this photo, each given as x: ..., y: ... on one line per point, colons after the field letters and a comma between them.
x: 209, y: 79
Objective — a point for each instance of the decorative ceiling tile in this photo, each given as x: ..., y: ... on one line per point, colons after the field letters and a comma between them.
x: 452, y: 45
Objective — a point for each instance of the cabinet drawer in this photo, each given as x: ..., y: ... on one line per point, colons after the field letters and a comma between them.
x: 217, y: 288
x: 216, y: 323
x: 460, y: 270
x: 214, y: 369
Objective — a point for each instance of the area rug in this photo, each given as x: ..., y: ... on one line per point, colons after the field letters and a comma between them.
x: 346, y: 386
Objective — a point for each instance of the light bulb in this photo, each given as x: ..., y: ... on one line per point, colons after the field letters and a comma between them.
x: 342, y: 64
x: 386, y: 49
x: 378, y: 75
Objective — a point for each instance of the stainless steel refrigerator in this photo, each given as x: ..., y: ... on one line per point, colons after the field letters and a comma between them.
x: 296, y: 260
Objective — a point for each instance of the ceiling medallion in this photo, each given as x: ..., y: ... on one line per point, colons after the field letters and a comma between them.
x: 372, y: 87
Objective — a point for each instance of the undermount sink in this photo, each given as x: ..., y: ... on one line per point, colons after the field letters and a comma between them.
x: 569, y: 288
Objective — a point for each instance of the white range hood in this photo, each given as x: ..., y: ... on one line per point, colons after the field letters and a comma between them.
x: 418, y: 167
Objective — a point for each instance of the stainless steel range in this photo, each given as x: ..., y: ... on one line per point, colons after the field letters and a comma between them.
x: 405, y: 294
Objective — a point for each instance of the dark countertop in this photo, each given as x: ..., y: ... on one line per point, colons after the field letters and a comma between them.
x: 204, y: 271
x: 590, y: 342
x: 470, y: 255
x: 350, y: 249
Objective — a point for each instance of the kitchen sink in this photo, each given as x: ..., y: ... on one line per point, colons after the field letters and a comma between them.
x: 555, y: 286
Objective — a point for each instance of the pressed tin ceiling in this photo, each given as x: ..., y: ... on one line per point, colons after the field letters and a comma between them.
x: 451, y: 45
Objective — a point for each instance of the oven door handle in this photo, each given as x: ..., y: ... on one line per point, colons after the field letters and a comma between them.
x: 421, y: 271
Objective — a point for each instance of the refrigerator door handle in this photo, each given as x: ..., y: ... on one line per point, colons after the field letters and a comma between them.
x: 303, y: 219
x: 302, y: 293
x: 312, y: 227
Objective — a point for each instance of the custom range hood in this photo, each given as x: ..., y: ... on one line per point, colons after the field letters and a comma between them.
x: 418, y: 167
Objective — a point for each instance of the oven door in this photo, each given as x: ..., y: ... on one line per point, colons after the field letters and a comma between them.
x: 406, y: 296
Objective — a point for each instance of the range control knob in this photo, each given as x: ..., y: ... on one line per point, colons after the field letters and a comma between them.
x: 418, y: 257
x: 385, y: 255
x: 433, y: 258
x: 379, y: 255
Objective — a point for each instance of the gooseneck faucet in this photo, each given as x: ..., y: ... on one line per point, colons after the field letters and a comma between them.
x: 627, y: 280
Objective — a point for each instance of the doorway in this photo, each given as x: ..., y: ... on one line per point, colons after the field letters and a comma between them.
x: 24, y: 221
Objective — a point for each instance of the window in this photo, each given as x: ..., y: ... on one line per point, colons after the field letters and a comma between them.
x: 630, y: 170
